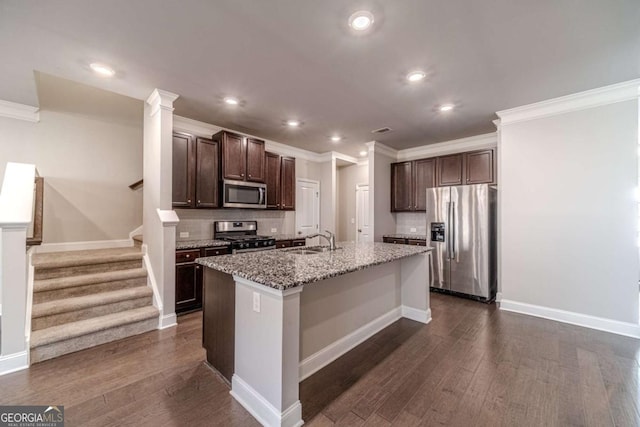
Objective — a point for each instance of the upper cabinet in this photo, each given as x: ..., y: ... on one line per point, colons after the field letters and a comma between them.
x: 280, y: 175
x: 410, y: 179
x: 243, y: 158
x: 196, y: 172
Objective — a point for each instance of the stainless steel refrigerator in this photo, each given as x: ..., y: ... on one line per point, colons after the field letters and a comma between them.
x: 461, y: 226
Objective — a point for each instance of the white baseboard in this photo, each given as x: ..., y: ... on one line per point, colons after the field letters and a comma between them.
x: 498, y: 296
x: 168, y: 321
x: 14, y: 362
x: 585, y: 320
x: 422, y: 316
x: 322, y: 358
x: 261, y: 409
x: 135, y: 232
x: 84, y: 246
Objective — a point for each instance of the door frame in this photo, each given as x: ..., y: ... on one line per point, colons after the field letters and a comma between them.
x: 312, y: 181
x: 358, y: 188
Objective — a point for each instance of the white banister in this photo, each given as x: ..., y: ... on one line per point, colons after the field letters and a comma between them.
x: 16, y: 205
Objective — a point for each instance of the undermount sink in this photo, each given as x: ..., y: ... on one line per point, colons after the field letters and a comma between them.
x: 311, y: 251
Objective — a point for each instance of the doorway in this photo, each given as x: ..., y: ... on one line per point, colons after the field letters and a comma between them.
x: 363, y: 220
x: 307, y: 208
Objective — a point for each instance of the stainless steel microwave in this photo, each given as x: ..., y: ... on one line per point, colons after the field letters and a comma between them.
x: 241, y: 194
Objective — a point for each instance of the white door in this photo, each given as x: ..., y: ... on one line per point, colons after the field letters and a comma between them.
x: 308, y: 208
x: 363, y: 222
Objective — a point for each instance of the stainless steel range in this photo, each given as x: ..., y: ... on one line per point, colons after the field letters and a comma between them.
x: 243, y: 236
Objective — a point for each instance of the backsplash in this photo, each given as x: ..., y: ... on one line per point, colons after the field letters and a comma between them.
x: 199, y: 222
x: 405, y: 221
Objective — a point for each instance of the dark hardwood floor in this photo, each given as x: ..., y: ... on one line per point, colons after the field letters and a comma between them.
x: 472, y: 366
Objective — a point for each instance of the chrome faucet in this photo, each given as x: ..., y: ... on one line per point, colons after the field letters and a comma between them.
x: 331, y: 239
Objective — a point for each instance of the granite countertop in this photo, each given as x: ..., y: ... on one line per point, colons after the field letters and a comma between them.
x: 407, y: 236
x: 288, y: 236
x: 195, y: 244
x: 287, y: 270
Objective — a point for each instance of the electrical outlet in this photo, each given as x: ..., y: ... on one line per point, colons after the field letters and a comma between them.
x: 256, y: 302
x: 184, y: 234
x: 353, y: 220
x: 274, y: 230
x: 413, y: 229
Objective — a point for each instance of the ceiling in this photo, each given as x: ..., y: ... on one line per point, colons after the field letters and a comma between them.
x: 299, y: 59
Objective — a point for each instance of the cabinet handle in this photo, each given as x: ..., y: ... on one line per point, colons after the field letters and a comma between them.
x: 197, y: 267
x: 249, y: 175
x: 241, y: 174
x: 188, y: 256
x: 278, y: 205
x: 198, y: 201
x: 189, y: 201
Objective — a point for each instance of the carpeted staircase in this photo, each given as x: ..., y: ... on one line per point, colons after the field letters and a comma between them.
x: 85, y: 298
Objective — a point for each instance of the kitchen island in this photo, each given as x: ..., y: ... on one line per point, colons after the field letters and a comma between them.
x: 273, y: 318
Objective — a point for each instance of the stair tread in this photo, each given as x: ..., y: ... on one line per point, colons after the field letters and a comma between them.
x: 138, y: 237
x: 85, y: 327
x: 87, y: 279
x: 78, y: 303
x: 76, y: 258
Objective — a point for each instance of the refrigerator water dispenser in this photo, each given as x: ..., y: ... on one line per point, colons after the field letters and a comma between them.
x: 437, y: 231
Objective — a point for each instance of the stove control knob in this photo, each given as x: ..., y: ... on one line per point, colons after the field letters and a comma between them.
x: 256, y: 244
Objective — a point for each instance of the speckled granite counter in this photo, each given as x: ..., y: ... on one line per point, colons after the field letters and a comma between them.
x: 195, y: 244
x: 283, y: 269
x: 407, y: 236
x: 288, y: 236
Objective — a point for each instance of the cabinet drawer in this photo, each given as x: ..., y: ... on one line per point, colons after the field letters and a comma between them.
x: 283, y: 244
x: 416, y: 242
x: 187, y: 255
x: 394, y: 240
x: 223, y: 250
x: 300, y: 242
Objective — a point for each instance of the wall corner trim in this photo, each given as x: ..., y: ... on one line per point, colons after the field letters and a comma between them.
x: 570, y: 317
x: 619, y: 92
x: 168, y: 217
x: 261, y: 409
x: 161, y: 99
x: 13, y: 110
x: 14, y: 362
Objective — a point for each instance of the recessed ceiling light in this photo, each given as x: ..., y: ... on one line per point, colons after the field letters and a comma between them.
x: 231, y: 101
x: 293, y: 123
x: 102, y: 69
x: 416, y: 76
x: 361, y: 20
x: 336, y: 138
x: 363, y: 153
x: 446, y: 107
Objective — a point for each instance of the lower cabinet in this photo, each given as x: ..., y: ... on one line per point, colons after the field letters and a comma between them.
x: 402, y: 241
x: 290, y: 243
x: 189, y: 277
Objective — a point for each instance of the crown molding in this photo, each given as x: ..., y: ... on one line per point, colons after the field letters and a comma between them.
x: 378, y: 147
x: 161, y: 99
x: 13, y: 110
x: 477, y: 142
x: 619, y: 92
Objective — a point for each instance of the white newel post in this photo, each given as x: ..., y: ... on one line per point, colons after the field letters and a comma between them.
x: 267, y: 353
x: 16, y: 204
x: 159, y: 220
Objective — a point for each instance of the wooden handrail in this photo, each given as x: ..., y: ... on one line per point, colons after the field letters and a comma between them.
x: 36, y: 239
x: 137, y: 184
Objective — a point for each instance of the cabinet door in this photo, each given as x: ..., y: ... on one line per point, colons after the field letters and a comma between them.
x: 255, y: 160
x: 272, y: 178
x: 234, y: 157
x: 300, y: 242
x: 424, y: 177
x: 288, y: 183
x: 188, y: 287
x: 479, y: 167
x: 283, y: 244
x: 401, y: 187
x: 207, y: 173
x: 183, y: 171
x: 217, y: 251
x: 450, y: 170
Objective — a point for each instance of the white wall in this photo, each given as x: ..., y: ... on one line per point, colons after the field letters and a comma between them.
x: 328, y: 203
x: 348, y: 178
x: 88, y: 163
x: 569, y: 211
x: 380, y: 186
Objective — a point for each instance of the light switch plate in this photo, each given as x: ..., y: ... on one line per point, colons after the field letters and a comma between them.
x: 353, y: 220
x: 274, y: 230
x: 256, y: 302
x: 184, y: 234
x: 413, y: 229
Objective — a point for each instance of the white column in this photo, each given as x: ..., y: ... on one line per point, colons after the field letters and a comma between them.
x: 159, y: 235
x: 267, y: 353
x: 414, y: 279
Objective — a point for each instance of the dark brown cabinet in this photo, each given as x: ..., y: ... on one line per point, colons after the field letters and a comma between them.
x: 196, y: 172
x: 290, y: 243
x: 450, y: 170
x: 184, y: 162
x: 243, y: 159
x: 280, y: 176
x: 403, y: 241
x: 189, y: 277
x: 402, y: 187
x: 424, y: 176
x: 479, y: 167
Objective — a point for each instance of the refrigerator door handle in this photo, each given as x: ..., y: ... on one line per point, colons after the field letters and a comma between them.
x: 454, y: 249
x: 448, y: 231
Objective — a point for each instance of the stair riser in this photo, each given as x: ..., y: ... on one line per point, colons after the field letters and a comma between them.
x: 59, y: 348
x: 43, y: 322
x: 53, y: 273
x: 94, y: 288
